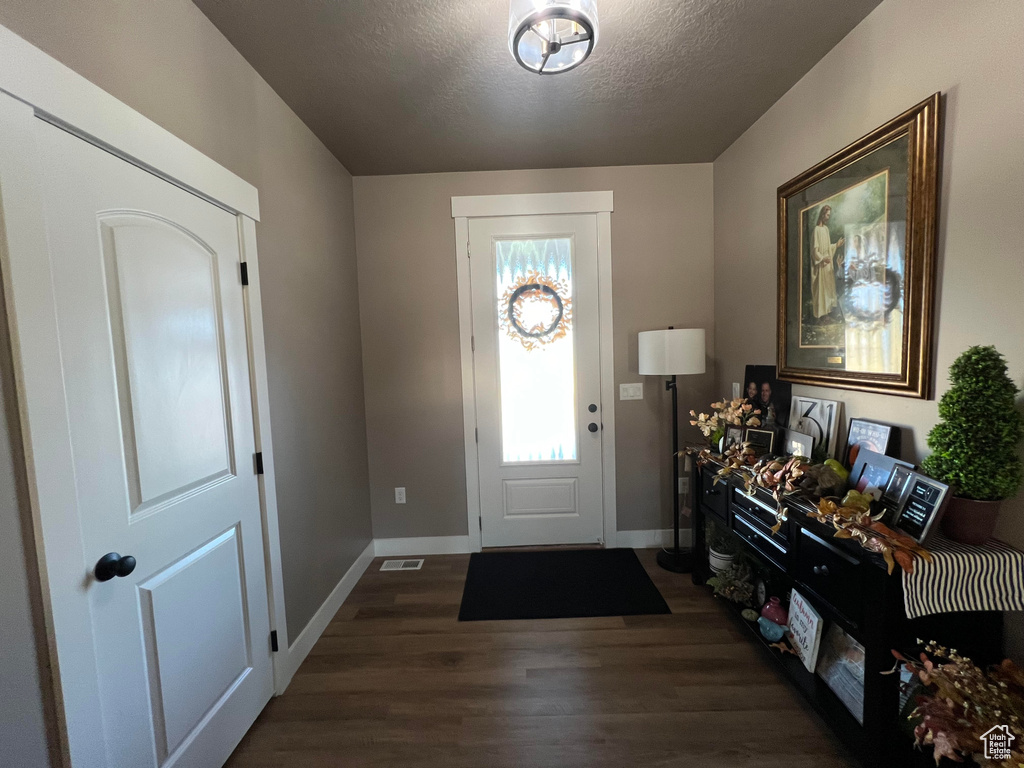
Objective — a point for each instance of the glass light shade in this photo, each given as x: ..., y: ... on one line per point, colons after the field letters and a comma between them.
x: 552, y: 36
x: 670, y: 352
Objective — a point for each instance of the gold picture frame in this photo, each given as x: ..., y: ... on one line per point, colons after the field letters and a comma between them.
x: 857, y: 261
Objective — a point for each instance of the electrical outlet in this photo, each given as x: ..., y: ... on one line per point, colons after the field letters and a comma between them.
x: 735, y: 390
x: 631, y: 391
x: 684, y: 486
x: 399, y: 495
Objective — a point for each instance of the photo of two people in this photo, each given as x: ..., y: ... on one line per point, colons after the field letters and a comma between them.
x: 766, y: 393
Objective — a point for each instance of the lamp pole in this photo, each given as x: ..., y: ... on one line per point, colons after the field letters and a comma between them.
x: 669, y: 353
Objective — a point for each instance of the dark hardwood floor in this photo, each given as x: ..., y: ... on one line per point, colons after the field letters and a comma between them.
x: 396, y: 680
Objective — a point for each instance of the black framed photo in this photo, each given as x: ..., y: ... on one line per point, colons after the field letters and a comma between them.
x: 921, y: 507
x: 763, y: 390
x: 857, y: 261
x: 761, y: 440
x: 893, y: 493
x: 871, y: 472
x: 733, y: 435
x: 880, y: 438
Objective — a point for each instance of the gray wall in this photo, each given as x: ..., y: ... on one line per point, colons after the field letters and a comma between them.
x: 662, y: 274
x: 168, y: 61
x: 901, y: 53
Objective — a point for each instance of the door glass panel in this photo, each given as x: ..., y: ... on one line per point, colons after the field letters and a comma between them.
x: 535, y: 349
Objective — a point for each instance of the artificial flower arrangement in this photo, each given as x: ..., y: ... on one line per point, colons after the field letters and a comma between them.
x: 849, y: 514
x: 852, y: 519
x: 958, y: 703
x: 735, y: 583
x: 736, y: 412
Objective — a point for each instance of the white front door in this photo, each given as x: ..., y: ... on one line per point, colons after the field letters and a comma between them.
x: 537, y: 370
x: 156, y: 378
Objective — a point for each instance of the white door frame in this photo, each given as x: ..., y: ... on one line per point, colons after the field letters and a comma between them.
x: 544, y: 204
x: 34, y: 86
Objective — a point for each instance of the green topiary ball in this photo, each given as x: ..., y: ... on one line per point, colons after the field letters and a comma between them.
x: 974, y: 447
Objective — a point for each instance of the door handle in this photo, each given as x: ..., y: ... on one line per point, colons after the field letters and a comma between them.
x: 113, y: 564
x: 592, y: 427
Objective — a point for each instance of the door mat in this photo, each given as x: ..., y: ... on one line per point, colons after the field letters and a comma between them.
x: 558, y: 584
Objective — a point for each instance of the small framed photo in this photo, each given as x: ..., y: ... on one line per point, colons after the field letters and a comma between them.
x: 871, y: 472
x: 761, y: 440
x: 921, y: 507
x: 799, y: 444
x: 733, y: 435
x: 893, y: 493
x: 880, y: 438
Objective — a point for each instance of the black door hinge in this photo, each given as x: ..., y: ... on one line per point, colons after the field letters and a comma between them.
x: 273, y: 640
x: 245, y: 273
x: 259, y: 463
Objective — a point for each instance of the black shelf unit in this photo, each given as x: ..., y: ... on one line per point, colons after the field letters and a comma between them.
x: 855, y: 592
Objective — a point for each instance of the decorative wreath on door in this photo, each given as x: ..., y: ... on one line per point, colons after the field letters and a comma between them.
x: 536, y: 310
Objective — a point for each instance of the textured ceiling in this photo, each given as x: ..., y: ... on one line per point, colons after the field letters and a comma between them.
x: 414, y: 86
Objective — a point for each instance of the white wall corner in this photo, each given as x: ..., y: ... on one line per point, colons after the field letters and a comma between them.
x: 297, y: 652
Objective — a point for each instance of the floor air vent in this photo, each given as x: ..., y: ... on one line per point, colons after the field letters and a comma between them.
x: 402, y: 565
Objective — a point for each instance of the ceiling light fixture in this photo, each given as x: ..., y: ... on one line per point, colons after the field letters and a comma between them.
x: 552, y: 36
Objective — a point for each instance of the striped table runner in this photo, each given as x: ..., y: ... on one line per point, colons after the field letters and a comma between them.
x: 964, y: 577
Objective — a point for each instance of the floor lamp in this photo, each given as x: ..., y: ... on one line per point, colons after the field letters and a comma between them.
x: 676, y: 351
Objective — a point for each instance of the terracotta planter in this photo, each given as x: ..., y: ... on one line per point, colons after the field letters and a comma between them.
x: 969, y: 521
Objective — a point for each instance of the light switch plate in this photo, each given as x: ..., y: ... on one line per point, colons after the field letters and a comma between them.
x: 735, y: 390
x: 631, y: 391
x: 399, y: 495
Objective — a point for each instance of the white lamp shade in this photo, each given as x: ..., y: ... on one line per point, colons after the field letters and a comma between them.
x: 673, y: 351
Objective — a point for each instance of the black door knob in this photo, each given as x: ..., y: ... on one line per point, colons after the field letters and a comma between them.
x: 592, y: 427
x: 113, y: 564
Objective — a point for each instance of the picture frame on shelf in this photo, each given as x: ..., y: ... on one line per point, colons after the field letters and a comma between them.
x: 893, y: 493
x: 763, y: 390
x: 819, y: 419
x: 799, y: 444
x: 921, y: 507
x: 734, y: 435
x: 871, y: 472
x: 880, y: 438
x: 761, y: 440
x: 857, y: 261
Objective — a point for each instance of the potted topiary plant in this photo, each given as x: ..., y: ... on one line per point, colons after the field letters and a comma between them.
x: 975, y: 446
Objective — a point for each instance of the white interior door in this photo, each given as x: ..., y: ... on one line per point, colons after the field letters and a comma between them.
x: 536, y: 336
x: 153, y: 343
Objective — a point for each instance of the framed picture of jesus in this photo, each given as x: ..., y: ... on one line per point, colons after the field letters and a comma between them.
x: 857, y: 261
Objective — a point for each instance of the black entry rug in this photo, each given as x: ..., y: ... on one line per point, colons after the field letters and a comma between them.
x: 558, y: 584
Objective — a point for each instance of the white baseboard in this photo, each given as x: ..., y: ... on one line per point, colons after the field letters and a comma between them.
x: 655, y: 538
x: 422, y: 545
x: 297, y: 652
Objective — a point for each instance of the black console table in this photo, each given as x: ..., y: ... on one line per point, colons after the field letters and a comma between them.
x: 846, y: 585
